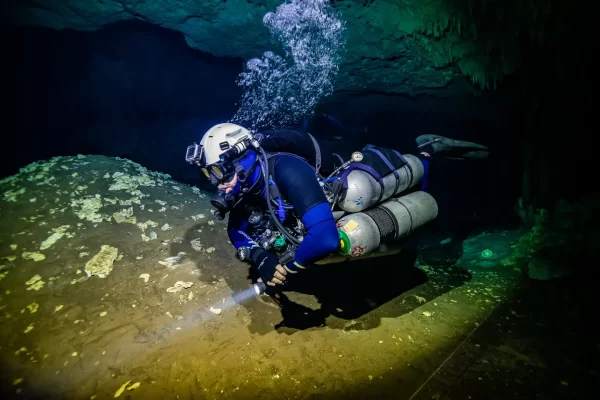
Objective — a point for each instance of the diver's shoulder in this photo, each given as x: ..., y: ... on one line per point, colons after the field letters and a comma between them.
x: 283, y: 160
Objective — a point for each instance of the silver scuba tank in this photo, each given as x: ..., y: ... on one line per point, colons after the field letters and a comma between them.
x: 364, y: 190
x: 363, y: 232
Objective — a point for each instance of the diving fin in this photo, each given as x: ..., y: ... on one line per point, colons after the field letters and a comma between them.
x: 451, y: 148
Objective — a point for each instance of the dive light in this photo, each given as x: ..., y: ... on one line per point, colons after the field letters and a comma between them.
x: 286, y: 258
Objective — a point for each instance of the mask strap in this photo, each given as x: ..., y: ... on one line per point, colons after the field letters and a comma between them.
x: 244, y: 172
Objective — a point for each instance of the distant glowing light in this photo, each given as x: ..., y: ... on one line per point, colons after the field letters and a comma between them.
x: 487, y: 253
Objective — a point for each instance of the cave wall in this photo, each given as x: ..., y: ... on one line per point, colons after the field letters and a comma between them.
x: 396, y: 46
x: 555, y: 94
x: 135, y: 90
x: 400, y: 54
x: 129, y: 89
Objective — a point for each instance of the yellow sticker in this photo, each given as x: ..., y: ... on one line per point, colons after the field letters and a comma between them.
x: 350, y: 225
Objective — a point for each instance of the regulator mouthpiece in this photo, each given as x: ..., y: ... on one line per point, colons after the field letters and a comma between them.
x: 222, y: 202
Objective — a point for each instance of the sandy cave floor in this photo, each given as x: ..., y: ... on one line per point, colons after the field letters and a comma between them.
x: 414, y: 329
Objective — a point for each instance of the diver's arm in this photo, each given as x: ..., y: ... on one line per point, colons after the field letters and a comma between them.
x: 321, y: 239
x: 297, y: 182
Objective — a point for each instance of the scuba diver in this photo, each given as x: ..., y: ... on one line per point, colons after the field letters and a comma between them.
x: 292, y: 201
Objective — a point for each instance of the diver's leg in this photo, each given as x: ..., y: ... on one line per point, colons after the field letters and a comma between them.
x: 424, y: 156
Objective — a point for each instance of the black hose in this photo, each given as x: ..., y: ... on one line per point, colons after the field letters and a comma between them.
x: 265, y: 171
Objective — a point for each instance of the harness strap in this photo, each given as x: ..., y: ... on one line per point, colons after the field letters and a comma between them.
x: 389, y: 165
x: 412, y: 173
x: 369, y: 170
x: 363, y: 167
x: 275, y: 194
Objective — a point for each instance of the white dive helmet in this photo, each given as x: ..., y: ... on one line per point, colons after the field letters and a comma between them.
x: 220, y: 138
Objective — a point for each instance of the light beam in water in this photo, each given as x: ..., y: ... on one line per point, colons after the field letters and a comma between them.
x: 197, y: 318
x: 245, y: 295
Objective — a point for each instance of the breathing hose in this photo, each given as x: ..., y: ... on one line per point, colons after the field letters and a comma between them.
x: 265, y: 171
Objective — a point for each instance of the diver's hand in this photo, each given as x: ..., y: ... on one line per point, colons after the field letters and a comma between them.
x: 279, y: 276
x: 229, y: 186
x: 268, y: 266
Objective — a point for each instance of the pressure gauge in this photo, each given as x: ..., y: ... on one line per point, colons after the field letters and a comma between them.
x: 357, y: 156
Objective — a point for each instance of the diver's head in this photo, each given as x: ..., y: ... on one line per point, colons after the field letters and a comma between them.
x: 218, y: 150
x: 225, y: 158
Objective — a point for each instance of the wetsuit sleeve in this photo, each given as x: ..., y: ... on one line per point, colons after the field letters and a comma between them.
x: 322, y: 237
x: 237, y: 229
x: 298, y: 184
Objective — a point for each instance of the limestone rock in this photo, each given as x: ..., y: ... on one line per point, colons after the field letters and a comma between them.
x: 102, y: 263
x: 398, y: 46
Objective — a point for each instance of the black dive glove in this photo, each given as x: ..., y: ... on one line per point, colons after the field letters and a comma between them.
x: 265, y: 262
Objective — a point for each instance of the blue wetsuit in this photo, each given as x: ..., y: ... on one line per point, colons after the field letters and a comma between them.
x: 298, y: 185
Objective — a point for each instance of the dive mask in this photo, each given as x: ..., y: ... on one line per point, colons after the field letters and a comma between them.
x: 219, y: 173
x: 216, y: 173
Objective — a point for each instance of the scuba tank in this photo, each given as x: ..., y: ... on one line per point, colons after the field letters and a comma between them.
x: 364, y: 232
x: 364, y: 191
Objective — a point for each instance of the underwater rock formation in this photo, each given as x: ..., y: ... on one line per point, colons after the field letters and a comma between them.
x: 395, y: 46
x: 68, y: 209
x: 560, y: 241
x: 69, y: 221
